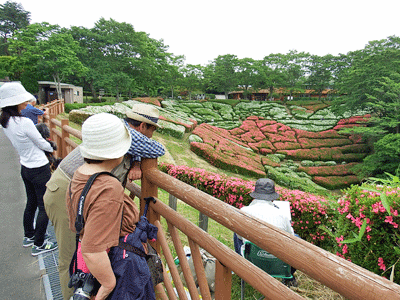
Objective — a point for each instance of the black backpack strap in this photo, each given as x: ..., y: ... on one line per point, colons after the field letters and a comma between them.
x: 79, y: 222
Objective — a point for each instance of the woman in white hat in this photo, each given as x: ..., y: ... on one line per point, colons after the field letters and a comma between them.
x: 108, y: 212
x: 35, y: 169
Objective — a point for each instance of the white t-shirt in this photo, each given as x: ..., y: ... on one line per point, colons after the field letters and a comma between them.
x: 28, y: 142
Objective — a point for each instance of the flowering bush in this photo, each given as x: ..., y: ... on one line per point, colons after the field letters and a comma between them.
x: 378, y: 248
x: 229, y: 161
x: 336, y: 182
x: 321, y: 143
x: 337, y: 170
x: 309, y: 212
x: 233, y: 191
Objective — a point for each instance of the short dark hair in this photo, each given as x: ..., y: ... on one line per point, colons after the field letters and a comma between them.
x: 8, y: 112
x: 136, y: 123
x: 133, y: 122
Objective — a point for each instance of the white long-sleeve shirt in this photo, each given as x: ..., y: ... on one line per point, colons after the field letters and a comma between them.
x: 28, y: 142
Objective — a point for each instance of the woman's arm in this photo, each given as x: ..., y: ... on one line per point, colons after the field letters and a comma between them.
x: 32, y: 132
x: 100, y: 267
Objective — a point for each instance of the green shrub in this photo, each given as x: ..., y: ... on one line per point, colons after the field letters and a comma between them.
x: 292, y: 180
x: 195, y: 138
x: 385, y: 157
x: 168, y: 128
x: 71, y: 106
x: 78, y: 116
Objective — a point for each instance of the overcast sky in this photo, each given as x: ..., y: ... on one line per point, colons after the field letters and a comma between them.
x: 204, y: 29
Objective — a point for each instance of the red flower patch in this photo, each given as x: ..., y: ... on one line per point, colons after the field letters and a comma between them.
x: 336, y: 182
x: 338, y: 170
x: 320, y: 143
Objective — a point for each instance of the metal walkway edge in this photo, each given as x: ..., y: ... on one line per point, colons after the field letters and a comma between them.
x: 48, y: 266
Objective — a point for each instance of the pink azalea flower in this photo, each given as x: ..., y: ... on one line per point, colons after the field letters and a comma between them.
x: 381, y: 264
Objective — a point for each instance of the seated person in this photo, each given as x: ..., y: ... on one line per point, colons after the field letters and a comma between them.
x: 263, y: 207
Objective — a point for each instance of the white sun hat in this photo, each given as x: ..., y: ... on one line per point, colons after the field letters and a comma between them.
x: 13, y: 93
x: 146, y: 113
x: 104, y: 136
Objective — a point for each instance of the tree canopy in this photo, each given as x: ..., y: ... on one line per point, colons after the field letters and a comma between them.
x: 13, y: 17
x: 114, y: 57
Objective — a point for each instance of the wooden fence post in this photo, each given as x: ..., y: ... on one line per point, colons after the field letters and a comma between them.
x: 172, y: 202
x: 149, y: 189
x: 51, y: 125
x: 223, y: 281
x: 203, y: 221
x: 64, y: 135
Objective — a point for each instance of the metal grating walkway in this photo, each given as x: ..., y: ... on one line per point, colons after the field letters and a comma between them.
x: 48, y: 265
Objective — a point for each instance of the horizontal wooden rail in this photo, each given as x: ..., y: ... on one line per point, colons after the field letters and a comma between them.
x: 73, y: 131
x: 340, y: 275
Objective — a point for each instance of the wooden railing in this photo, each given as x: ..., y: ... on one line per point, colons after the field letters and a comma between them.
x: 342, y: 276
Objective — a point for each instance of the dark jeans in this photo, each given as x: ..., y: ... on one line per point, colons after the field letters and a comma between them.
x: 35, y: 186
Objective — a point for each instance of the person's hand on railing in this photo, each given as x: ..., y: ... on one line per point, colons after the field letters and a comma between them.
x: 135, y: 172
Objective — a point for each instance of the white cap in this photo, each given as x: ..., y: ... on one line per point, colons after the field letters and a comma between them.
x: 13, y: 93
x: 104, y: 136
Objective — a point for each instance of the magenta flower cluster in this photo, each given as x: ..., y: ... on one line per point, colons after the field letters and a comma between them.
x: 376, y: 250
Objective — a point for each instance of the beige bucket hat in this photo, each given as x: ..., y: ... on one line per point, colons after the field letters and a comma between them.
x: 144, y: 113
x: 104, y: 136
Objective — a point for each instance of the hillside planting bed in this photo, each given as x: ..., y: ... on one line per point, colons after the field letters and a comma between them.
x: 242, y: 138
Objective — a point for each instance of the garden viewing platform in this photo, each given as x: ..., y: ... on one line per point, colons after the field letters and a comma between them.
x: 342, y: 276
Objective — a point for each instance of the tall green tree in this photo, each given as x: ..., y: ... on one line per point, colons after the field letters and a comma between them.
x: 272, y: 73
x: 120, y: 59
x: 173, y: 72
x: 246, y: 74
x: 90, y: 55
x: 320, y: 76
x: 45, y: 52
x: 221, y: 74
x: 372, y: 83
x: 295, y: 67
x: 13, y: 17
x: 192, y: 78
x: 368, y: 69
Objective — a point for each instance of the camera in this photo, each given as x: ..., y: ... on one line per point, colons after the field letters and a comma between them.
x: 85, y: 285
